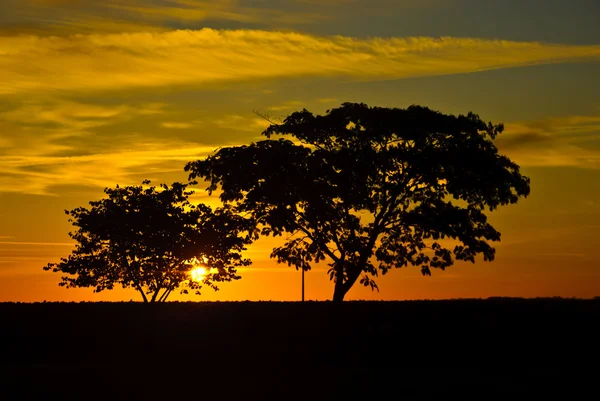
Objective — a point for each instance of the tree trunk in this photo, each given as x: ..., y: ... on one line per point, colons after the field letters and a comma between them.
x: 338, y: 289
x: 339, y: 293
x: 141, y: 291
x: 342, y: 287
x: 165, y: 295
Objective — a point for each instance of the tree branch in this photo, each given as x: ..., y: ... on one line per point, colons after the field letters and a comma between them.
x: 322, y: 245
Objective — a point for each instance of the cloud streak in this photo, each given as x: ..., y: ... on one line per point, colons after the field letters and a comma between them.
x: 36, y: 243
x: 39, y: 174
x: 49, y: 144
x: 61, y: 17
x: 568, y: 141
x: 208, y: 57
x: 176, y: 125
x: 218, y: 10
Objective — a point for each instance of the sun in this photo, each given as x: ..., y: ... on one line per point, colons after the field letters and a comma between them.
x: 198, y: 273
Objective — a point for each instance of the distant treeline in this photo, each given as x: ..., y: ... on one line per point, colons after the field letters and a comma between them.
x: 516, y: 299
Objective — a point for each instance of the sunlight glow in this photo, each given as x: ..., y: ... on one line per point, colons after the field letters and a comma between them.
x: 198, y: 273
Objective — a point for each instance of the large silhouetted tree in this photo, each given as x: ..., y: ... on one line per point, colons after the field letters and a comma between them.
x: 149, y: 239
x: 370, y: 188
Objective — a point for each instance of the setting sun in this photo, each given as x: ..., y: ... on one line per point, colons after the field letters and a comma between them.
x: 198, y: 273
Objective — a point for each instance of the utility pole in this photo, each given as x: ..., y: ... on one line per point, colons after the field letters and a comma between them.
x: 302, y: 285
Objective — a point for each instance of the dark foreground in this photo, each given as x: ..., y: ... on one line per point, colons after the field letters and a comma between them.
x: 427, y: 350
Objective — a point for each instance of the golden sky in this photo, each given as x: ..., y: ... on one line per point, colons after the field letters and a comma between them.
x: 95, y: 94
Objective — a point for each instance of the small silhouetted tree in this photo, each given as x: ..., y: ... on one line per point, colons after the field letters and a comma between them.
x: 370, y: 189
x: 149, y: 239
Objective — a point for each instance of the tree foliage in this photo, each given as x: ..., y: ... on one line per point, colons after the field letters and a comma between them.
x: 370, y: 188
x: 149, y: 239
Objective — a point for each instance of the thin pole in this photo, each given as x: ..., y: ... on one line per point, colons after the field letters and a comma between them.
x: 302, y: 285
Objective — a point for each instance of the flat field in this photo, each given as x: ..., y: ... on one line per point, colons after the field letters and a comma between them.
x: 493, y: 349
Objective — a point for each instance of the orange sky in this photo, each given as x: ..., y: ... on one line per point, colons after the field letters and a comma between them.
x: 97, y: 94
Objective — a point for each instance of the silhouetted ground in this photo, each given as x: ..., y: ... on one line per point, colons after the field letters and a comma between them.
x: 423, y: 350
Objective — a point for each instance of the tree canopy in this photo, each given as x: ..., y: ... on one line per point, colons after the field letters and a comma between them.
x: 149, y: 239
x: 370, y: 189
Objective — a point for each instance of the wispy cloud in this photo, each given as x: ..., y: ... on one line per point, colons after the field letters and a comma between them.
x: 39, y: 174
x: 119, y: 61
x: 327, y: 100
x: 557, y: 141
x: 63, y: 17
x: 39, y: 127
x: 50, y: 143
x: 288, y: 105
x: 241, y: 123
x: 568, y: 255
x: 65, y: 114
x: 224, y: 10
x: 37, y: 243
x: 176, y: 125
x: 77, y: 116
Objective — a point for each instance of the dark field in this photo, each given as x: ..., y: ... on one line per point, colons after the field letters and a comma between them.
x: 423, y: 350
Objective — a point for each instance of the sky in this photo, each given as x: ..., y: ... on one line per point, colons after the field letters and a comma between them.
x: 95, y: 94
